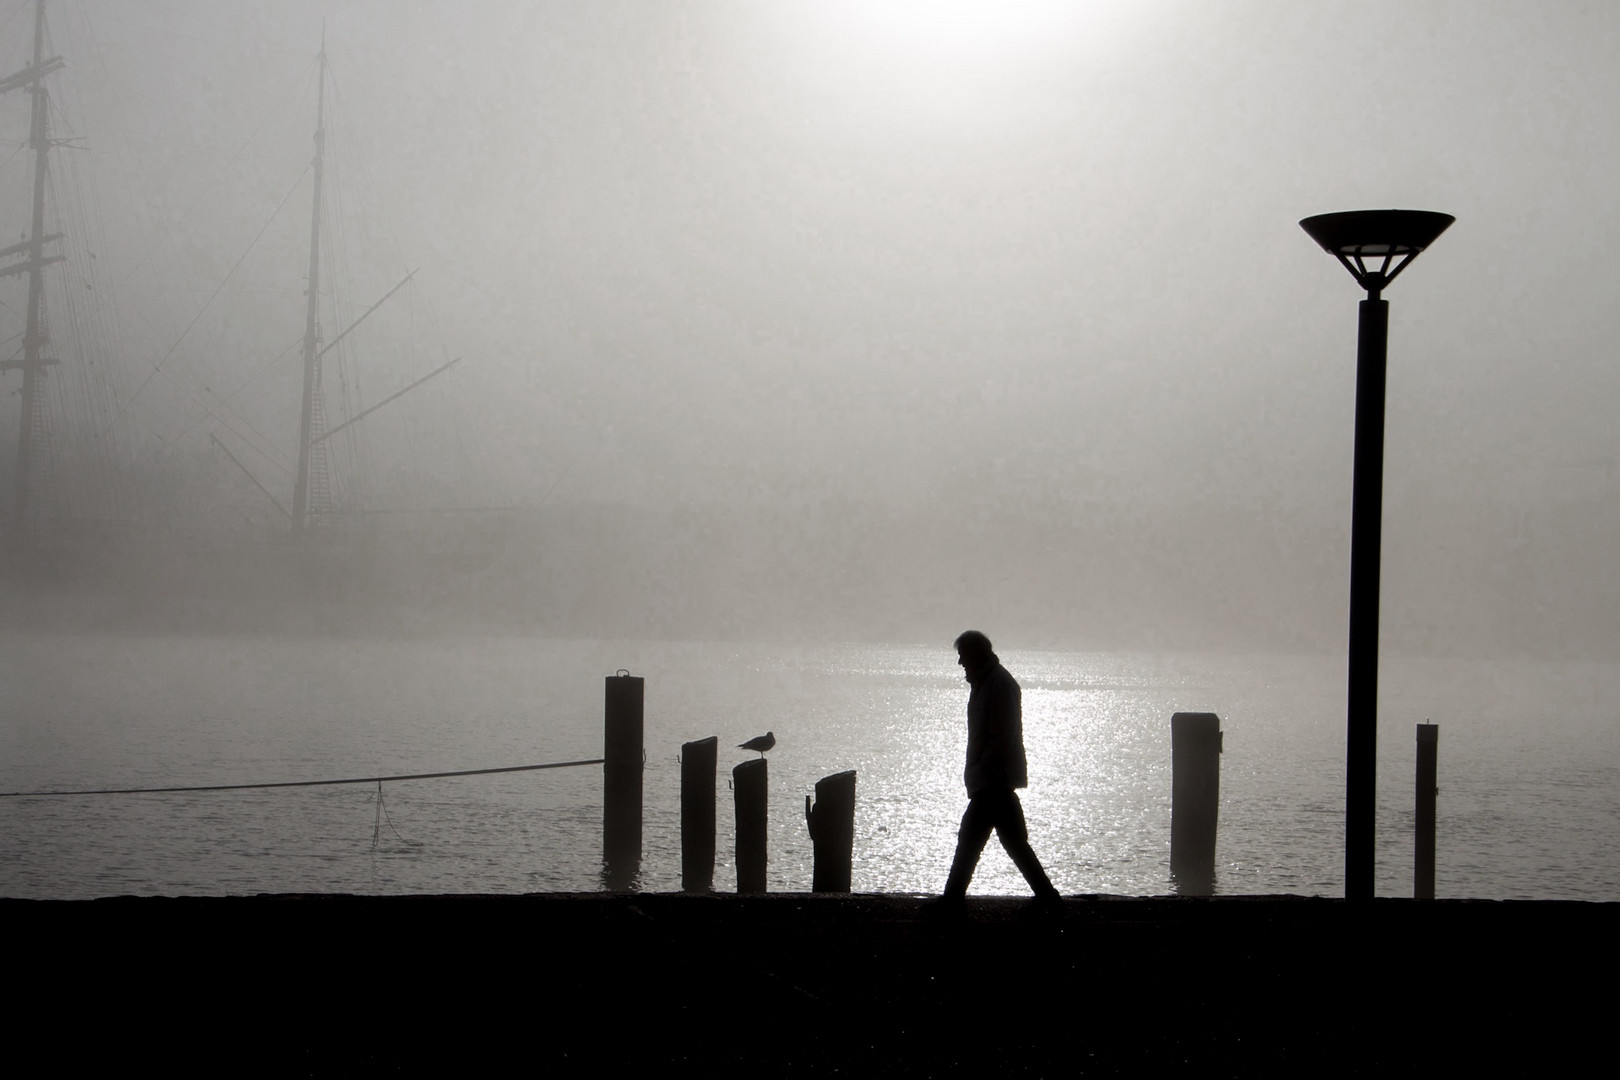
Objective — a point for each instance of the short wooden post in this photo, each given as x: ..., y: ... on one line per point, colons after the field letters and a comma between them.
x: 697, y: 815
x: 831, y: 817
x: 750, y: 784
x: 1428, y: 755
x: 622, y: 756
x: 1195, y: 797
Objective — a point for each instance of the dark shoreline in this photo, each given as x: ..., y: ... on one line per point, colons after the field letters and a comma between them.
x: 791, y: 984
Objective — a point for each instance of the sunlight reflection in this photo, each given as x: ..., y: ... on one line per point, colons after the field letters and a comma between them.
x: 1096, y: 728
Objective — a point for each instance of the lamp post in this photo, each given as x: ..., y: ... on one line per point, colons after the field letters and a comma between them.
x: 1375, y: 246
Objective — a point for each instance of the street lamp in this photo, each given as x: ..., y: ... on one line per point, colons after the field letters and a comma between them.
x: 1375, y: 246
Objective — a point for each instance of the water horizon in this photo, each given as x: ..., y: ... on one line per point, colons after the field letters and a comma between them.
x: 1527, y: 762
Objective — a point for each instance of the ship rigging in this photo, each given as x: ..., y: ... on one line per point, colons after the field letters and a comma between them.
x: 64, y: 472
x: 57, y: 413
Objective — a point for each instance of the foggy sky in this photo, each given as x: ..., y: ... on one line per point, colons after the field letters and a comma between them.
x: 1004, y: 305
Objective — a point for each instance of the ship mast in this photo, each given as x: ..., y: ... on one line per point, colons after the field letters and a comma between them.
x: 31, y: 429
x: 312, y: 484
x: 307, y: 420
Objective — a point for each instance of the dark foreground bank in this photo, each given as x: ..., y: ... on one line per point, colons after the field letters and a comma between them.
x: 794, y: 984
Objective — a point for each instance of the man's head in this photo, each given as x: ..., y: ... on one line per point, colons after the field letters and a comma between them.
x: 973, y: 650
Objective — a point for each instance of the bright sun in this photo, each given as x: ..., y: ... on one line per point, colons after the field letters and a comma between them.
x: 930, y: 62
x: 967, y: 32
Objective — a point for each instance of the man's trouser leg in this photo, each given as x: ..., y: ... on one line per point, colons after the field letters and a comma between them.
x: 977, y: 823
x: 1013, y: 832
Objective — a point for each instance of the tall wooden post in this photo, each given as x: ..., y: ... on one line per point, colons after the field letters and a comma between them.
x: 697, y: 814
x: 1195, y: 797
x: 622, y: 756
x: 831, y: 817
x: 750, y: 783
x: 1428, y: 755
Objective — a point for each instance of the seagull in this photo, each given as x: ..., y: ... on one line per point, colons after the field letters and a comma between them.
x: 761, y: 743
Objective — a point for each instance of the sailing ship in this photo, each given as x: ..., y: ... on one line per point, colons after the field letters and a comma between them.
x: 55, y: 485
x: 312, y: 502
x: 65, y: 459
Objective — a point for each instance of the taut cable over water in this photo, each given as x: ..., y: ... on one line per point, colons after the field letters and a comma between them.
x: 299, y: 783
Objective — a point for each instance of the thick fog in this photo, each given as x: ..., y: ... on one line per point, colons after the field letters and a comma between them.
x: 863, y: 320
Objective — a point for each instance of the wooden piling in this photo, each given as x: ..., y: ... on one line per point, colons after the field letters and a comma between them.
x: 1195, y: 796
x: 831, y: 817
x: 750, y: 784
x: 697, y: 815
x: 1428, y: 755
x: 622, y: 753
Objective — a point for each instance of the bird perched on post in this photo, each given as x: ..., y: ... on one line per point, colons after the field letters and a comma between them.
x: 761, y: 743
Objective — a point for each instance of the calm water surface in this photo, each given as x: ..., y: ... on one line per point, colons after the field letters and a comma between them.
x: 1529, y: 764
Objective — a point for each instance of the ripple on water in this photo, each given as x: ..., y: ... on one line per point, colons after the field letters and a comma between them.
x: 1526, y: 774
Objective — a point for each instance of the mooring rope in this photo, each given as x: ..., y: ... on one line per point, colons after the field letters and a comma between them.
x: 299, y: 783
x: 383, y: 815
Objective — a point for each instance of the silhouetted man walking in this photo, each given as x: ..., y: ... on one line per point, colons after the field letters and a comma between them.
x: 995, y: 769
